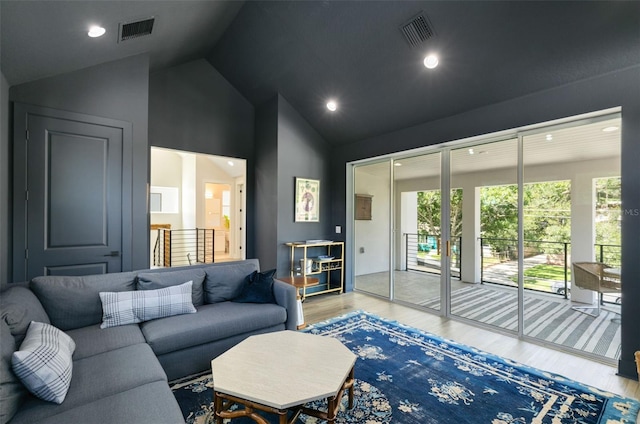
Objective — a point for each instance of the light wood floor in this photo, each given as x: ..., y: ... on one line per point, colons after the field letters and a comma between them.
x: 319, y: 308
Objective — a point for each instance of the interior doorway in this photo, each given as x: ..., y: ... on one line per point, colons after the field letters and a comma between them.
x: 196, y: 204
x: 217, y: 212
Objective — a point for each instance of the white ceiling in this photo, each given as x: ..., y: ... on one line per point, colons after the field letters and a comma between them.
x: 572, y: 144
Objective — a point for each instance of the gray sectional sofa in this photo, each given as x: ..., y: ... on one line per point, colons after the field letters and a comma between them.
x: 120, y: 373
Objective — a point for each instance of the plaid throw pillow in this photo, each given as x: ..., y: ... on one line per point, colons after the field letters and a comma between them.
x: 132, y: 307
x: 43, y: 363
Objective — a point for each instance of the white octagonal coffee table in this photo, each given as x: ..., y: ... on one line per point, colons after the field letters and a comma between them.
x: 281, y: 371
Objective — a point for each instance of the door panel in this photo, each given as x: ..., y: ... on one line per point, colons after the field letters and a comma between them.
x: 417, y: 270
x: 486, y: 204
x: 74, y: 206
x: 372, y: 232
x: 76, y: 175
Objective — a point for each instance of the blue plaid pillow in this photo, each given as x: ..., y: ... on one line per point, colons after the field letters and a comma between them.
x: 132, y: 307
x: 44, y: 363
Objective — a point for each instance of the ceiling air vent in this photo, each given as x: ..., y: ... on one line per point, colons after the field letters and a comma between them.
x: 131, y: 30
x: 417, y: 30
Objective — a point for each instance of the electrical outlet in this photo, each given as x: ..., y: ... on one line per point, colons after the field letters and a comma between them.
x: 338, y: 229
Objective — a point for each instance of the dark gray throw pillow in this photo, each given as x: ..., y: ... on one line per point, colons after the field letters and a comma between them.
x: 225, y: 281
x: 258, y: 288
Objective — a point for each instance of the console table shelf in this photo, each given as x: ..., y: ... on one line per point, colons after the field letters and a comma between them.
x: 305, y: 262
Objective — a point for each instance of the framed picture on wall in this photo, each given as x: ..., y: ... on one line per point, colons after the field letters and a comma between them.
x: 307, y: 200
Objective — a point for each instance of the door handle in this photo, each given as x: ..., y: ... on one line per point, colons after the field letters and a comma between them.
x: 113, y: 253
x: 448, y: 248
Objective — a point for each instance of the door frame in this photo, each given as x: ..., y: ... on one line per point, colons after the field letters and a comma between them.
x: 21, y: 114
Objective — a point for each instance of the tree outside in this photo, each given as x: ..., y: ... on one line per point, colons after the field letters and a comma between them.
x: 547, y: 220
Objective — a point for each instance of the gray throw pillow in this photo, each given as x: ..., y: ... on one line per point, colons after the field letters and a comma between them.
x: 226, y: 281
x: 73, y: 302
x: 12, y: 392
x: 19, y: 307
x: 161, y: 279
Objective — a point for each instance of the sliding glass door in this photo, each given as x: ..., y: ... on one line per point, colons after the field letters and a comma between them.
x: 491, y: 231
x: 571, y: 226
x: 484, y: 233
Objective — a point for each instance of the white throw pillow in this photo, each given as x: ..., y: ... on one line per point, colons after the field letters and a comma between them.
x: 44, y: 363
x: 132, y: 307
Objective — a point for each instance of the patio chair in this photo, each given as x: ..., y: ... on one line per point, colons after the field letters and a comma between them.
x: 592, y: 276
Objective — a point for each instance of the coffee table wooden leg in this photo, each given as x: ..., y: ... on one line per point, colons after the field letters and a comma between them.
x: 217, y: 402
x: 350, y: 383
x: 332, y: 409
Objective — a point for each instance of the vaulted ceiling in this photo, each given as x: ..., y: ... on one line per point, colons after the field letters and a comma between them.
x: 351, y: 51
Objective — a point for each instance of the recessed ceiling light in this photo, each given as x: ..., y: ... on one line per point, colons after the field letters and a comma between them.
x: 610, y: 129
x: 471, y: 152
x: 549, y: 137
x: 230, y: 163
x: 397, y: 164
x: 96, y: 31
x: 431, y: 61
x: 332, y: 105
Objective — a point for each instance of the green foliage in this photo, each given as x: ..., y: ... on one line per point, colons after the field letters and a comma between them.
x: 429, y: 203
x: 547, y: 215
x: 608, y: 215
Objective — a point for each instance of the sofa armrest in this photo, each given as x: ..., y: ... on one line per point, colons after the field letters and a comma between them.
x: 285, y: 295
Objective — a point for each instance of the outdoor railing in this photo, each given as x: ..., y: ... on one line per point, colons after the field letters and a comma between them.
x: 183, y: 247
x: 552, y: 272
x: 423, y: 252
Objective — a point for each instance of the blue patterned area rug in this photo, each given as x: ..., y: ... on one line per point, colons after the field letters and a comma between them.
x: 404, y: 375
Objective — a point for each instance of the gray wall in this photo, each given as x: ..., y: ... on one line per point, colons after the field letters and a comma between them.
x: 5, y: 204
x: 620, y: 88
x: 117, y: 90
x: 266, y: 188
x: 302, y: 152
x: 193, y: 108
x: 286, y: 147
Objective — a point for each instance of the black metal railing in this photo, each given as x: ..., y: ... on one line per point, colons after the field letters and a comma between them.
x: 550, y: 254
x: 184, y: 247
x: 423, y: 252
x: 498, y: 261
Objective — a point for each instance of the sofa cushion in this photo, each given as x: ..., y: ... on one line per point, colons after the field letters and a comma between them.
x: 93, y: 340
x: 12, y: 392
x: 211, y: 323
x: 225, y: 282
x: 132, y: 307
x: 148, y: 403
x: 98, y: 377
x: 19, y: 307
x: 258, y: 288
x: 162, y: 279
x: 73, y: 302
x: 43, y: 363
